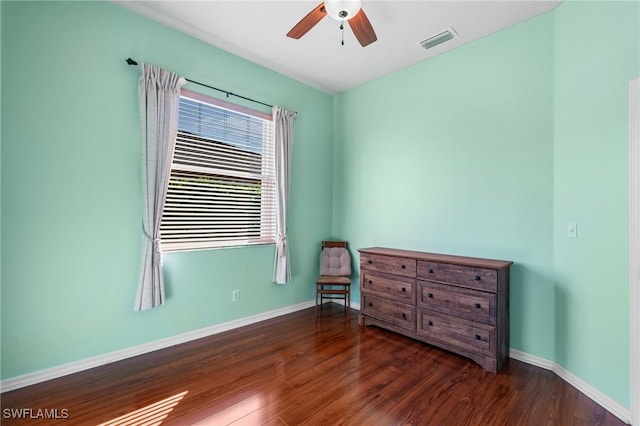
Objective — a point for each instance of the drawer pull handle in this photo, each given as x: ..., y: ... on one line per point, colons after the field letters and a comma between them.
x: 370, y: 304
x: 403, y: 267
x: 404, y: 316
x: 430, y: 295
x: 404, y: 290
x: 477, y: 278
x: 431, y: 271
x: 369, y: 262
x: 370, y: 282
x: 430, y: 323
x: 478, y: 337
x: 478, y: 305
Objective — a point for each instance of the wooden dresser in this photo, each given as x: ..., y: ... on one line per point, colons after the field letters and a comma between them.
x: 456, y: 303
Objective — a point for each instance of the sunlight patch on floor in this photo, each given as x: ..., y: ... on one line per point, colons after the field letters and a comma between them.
x: 151, y: 415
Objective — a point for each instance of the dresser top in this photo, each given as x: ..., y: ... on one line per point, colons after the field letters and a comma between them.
x: 442, y: 258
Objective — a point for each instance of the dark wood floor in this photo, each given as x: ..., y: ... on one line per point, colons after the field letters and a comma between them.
x: 296, y: 370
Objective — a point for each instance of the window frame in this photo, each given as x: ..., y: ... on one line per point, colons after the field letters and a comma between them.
x: 267, y: 235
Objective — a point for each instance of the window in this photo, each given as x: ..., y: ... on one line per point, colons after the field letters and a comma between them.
x: 222, y: 186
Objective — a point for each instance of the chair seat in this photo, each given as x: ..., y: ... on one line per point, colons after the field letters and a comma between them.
x: 327, y: 279
x: 337, y: 292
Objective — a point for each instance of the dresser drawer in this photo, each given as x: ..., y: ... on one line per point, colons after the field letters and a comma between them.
x: 389, y: 286
x: 396, y: 313
x: 476, y: 278
x: 464, y: 334
x: 387, y: 264
x: 458, y: 301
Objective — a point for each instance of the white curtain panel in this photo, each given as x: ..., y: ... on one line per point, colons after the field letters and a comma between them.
x: 159, y: 96
x: 283, y: 123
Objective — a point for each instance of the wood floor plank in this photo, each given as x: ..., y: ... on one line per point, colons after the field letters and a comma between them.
x: 299, y: 370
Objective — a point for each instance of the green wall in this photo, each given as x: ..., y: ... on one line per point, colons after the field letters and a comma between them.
x: 490, y: 150
x: 71, y: 196
x: 455, y: 155
x: 596, y: 55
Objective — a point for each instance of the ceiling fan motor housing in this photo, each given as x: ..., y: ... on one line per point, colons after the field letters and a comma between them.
x: 341, y: 10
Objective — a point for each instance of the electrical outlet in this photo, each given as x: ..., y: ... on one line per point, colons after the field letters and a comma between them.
x: 235, y: 295
x: 572, y: 230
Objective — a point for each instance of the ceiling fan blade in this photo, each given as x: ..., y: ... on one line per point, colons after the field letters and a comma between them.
x: 362, y: 29
x: 308, y: 22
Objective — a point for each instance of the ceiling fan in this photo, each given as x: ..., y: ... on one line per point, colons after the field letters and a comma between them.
x: 340, y: 10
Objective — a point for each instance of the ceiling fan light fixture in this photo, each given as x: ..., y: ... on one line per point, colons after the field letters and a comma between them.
x: 342, y: 10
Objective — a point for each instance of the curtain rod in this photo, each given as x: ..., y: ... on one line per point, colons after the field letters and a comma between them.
x: 130, y: 61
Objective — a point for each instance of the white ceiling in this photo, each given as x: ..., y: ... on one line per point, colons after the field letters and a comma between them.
x: 256, y: 30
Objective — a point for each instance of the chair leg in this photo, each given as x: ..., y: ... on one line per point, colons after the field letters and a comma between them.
x: 346, y: 303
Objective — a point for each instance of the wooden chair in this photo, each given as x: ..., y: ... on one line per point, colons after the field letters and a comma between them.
x: 335, y: 270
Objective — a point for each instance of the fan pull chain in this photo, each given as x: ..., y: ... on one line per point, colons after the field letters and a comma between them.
x: 342, y: 31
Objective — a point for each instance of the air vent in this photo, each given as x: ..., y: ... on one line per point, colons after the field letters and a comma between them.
x: 437, y: 39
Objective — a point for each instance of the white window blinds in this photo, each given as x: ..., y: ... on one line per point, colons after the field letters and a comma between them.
x: 222, y: 185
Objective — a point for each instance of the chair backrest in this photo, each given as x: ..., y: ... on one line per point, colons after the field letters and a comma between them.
x: 335, y: 259
x: 334, y: 244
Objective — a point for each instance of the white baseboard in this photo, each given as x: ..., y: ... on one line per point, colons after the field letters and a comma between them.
x: 597, y: 396
x: 605, y: 401
x: 354, y: 305
x: 600, y: 398
x: 531, y: 359
x: 85, y: 364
